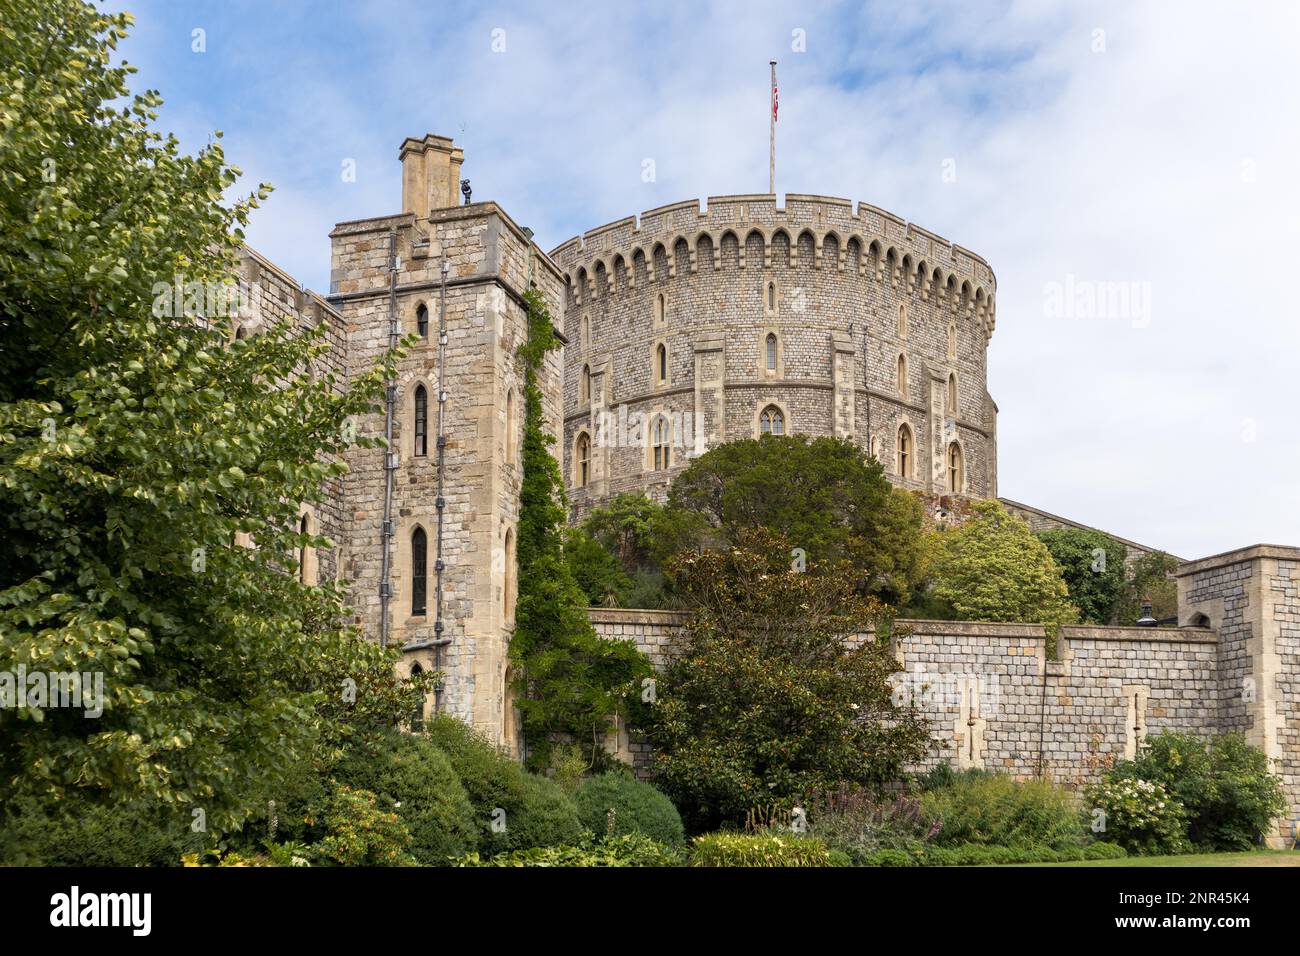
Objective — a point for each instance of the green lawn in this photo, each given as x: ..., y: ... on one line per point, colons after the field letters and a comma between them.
x: 1251, y: 858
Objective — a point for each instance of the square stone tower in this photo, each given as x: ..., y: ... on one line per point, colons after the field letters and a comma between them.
x: 430, y: 526
x: 1251, y: 597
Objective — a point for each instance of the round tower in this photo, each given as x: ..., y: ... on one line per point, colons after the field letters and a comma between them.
x: 690, y: 326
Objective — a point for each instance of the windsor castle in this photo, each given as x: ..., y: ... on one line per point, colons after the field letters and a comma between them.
x: 696, y: 324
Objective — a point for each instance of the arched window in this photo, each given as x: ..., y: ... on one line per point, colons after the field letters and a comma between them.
x: 902, y: 321
x: 303, y: 529
x: 902, y: 375
x: 419, y: 573
x: 422, y: 321
x: 771, y: 421
x: 241, y: 333
x: 585, y: 384
x: 582, y: 460
x: 771, y: 297
x: 661, y: 362
x: 586, y: 332
x: 770, y: 349
x: 873, y: 446
x: 904, y: 451
x: 417, y: 718
x: 421, y: 422
x: 954, y: 468
x: 663, y: 434
x: 952, y: 393
x: 510, y: 427
x: 952, y: 340
x: 508, y: 585
x: 659, y: 309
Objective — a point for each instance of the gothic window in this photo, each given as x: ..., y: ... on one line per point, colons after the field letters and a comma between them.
x: 508, y: 585
x: 902, y: 321
x: 586, y: 332
x: 952, y: 393
x: 771, y: 421
x: 510, y: 427
x: 419, y: 573
x: 422, y: 321
x: 954, y: 468
x: 421, y: 422
x: 663, y: 434
x: 582, y: 460
x: 659, y: 309
x: 904, y: 451
x: 585, y: 397
x: 952, y: 341
x: 661, y: 363
x: 303, y: 529
x: 770, y: 351
x: 902, y: 375
x: 769, y: 299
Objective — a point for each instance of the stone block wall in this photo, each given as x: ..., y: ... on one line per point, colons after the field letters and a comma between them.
x: 1251, y: 597
x: 831, y: 282
x: 996, y: 701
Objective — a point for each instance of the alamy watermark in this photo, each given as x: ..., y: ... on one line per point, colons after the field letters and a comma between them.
x: 1077, y: 298
x: 46, y: 690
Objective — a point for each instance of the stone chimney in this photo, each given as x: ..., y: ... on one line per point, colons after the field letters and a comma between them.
x: 430, y: 174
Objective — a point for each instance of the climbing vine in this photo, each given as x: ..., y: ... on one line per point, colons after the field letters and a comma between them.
x: 569, y: 682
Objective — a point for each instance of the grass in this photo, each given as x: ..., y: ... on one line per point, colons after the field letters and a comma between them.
x: 1249, y: 858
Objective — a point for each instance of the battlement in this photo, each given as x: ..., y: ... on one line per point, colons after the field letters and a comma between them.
x: 835, y: 234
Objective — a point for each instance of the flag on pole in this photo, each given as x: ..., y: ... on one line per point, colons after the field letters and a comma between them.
x: 775, y: 98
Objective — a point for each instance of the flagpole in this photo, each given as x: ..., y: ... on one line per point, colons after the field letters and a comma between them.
x: 771, y: 151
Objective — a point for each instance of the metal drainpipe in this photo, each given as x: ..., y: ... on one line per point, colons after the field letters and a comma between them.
x: 440, y: 503
x: 390, y: 457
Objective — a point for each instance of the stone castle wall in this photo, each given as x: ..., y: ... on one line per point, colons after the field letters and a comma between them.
x: 996, y: 701
x: 831, y: 282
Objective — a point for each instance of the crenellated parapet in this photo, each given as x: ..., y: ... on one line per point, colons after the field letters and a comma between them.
x: 753, y: 232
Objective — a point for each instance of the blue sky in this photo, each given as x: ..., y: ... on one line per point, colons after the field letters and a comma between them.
x: 1150, y: 144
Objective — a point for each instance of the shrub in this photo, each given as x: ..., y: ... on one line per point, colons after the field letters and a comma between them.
x: 638, y: 808
x: 537, y: 811
x: 854, y: 822
x: 632, y: 849
x: 977, y: 854
x: 758, y: 849
x: 411, y: 775
x: 361, y: 834
x: 997, y: 809
x: 1140, y: 815
x: 1224, y: 785
x: 90, y: 834
x: 546, y: 818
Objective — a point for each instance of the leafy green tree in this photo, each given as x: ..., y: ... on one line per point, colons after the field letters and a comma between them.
x: 626, y: 529
x: 1093, y: 567
x: 595, y: 570
x: 137, y: 441
x: 763, y: 700
x: 992, y: 568
x: 825, y: 495
x: 569, y: 680
x: 1150, y: 578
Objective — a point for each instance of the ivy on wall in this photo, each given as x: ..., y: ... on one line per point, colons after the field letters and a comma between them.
x: 568, y: 682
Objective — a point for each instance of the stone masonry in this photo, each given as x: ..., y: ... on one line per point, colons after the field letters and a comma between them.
x: 849, y: 294
x: 996, y: 701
